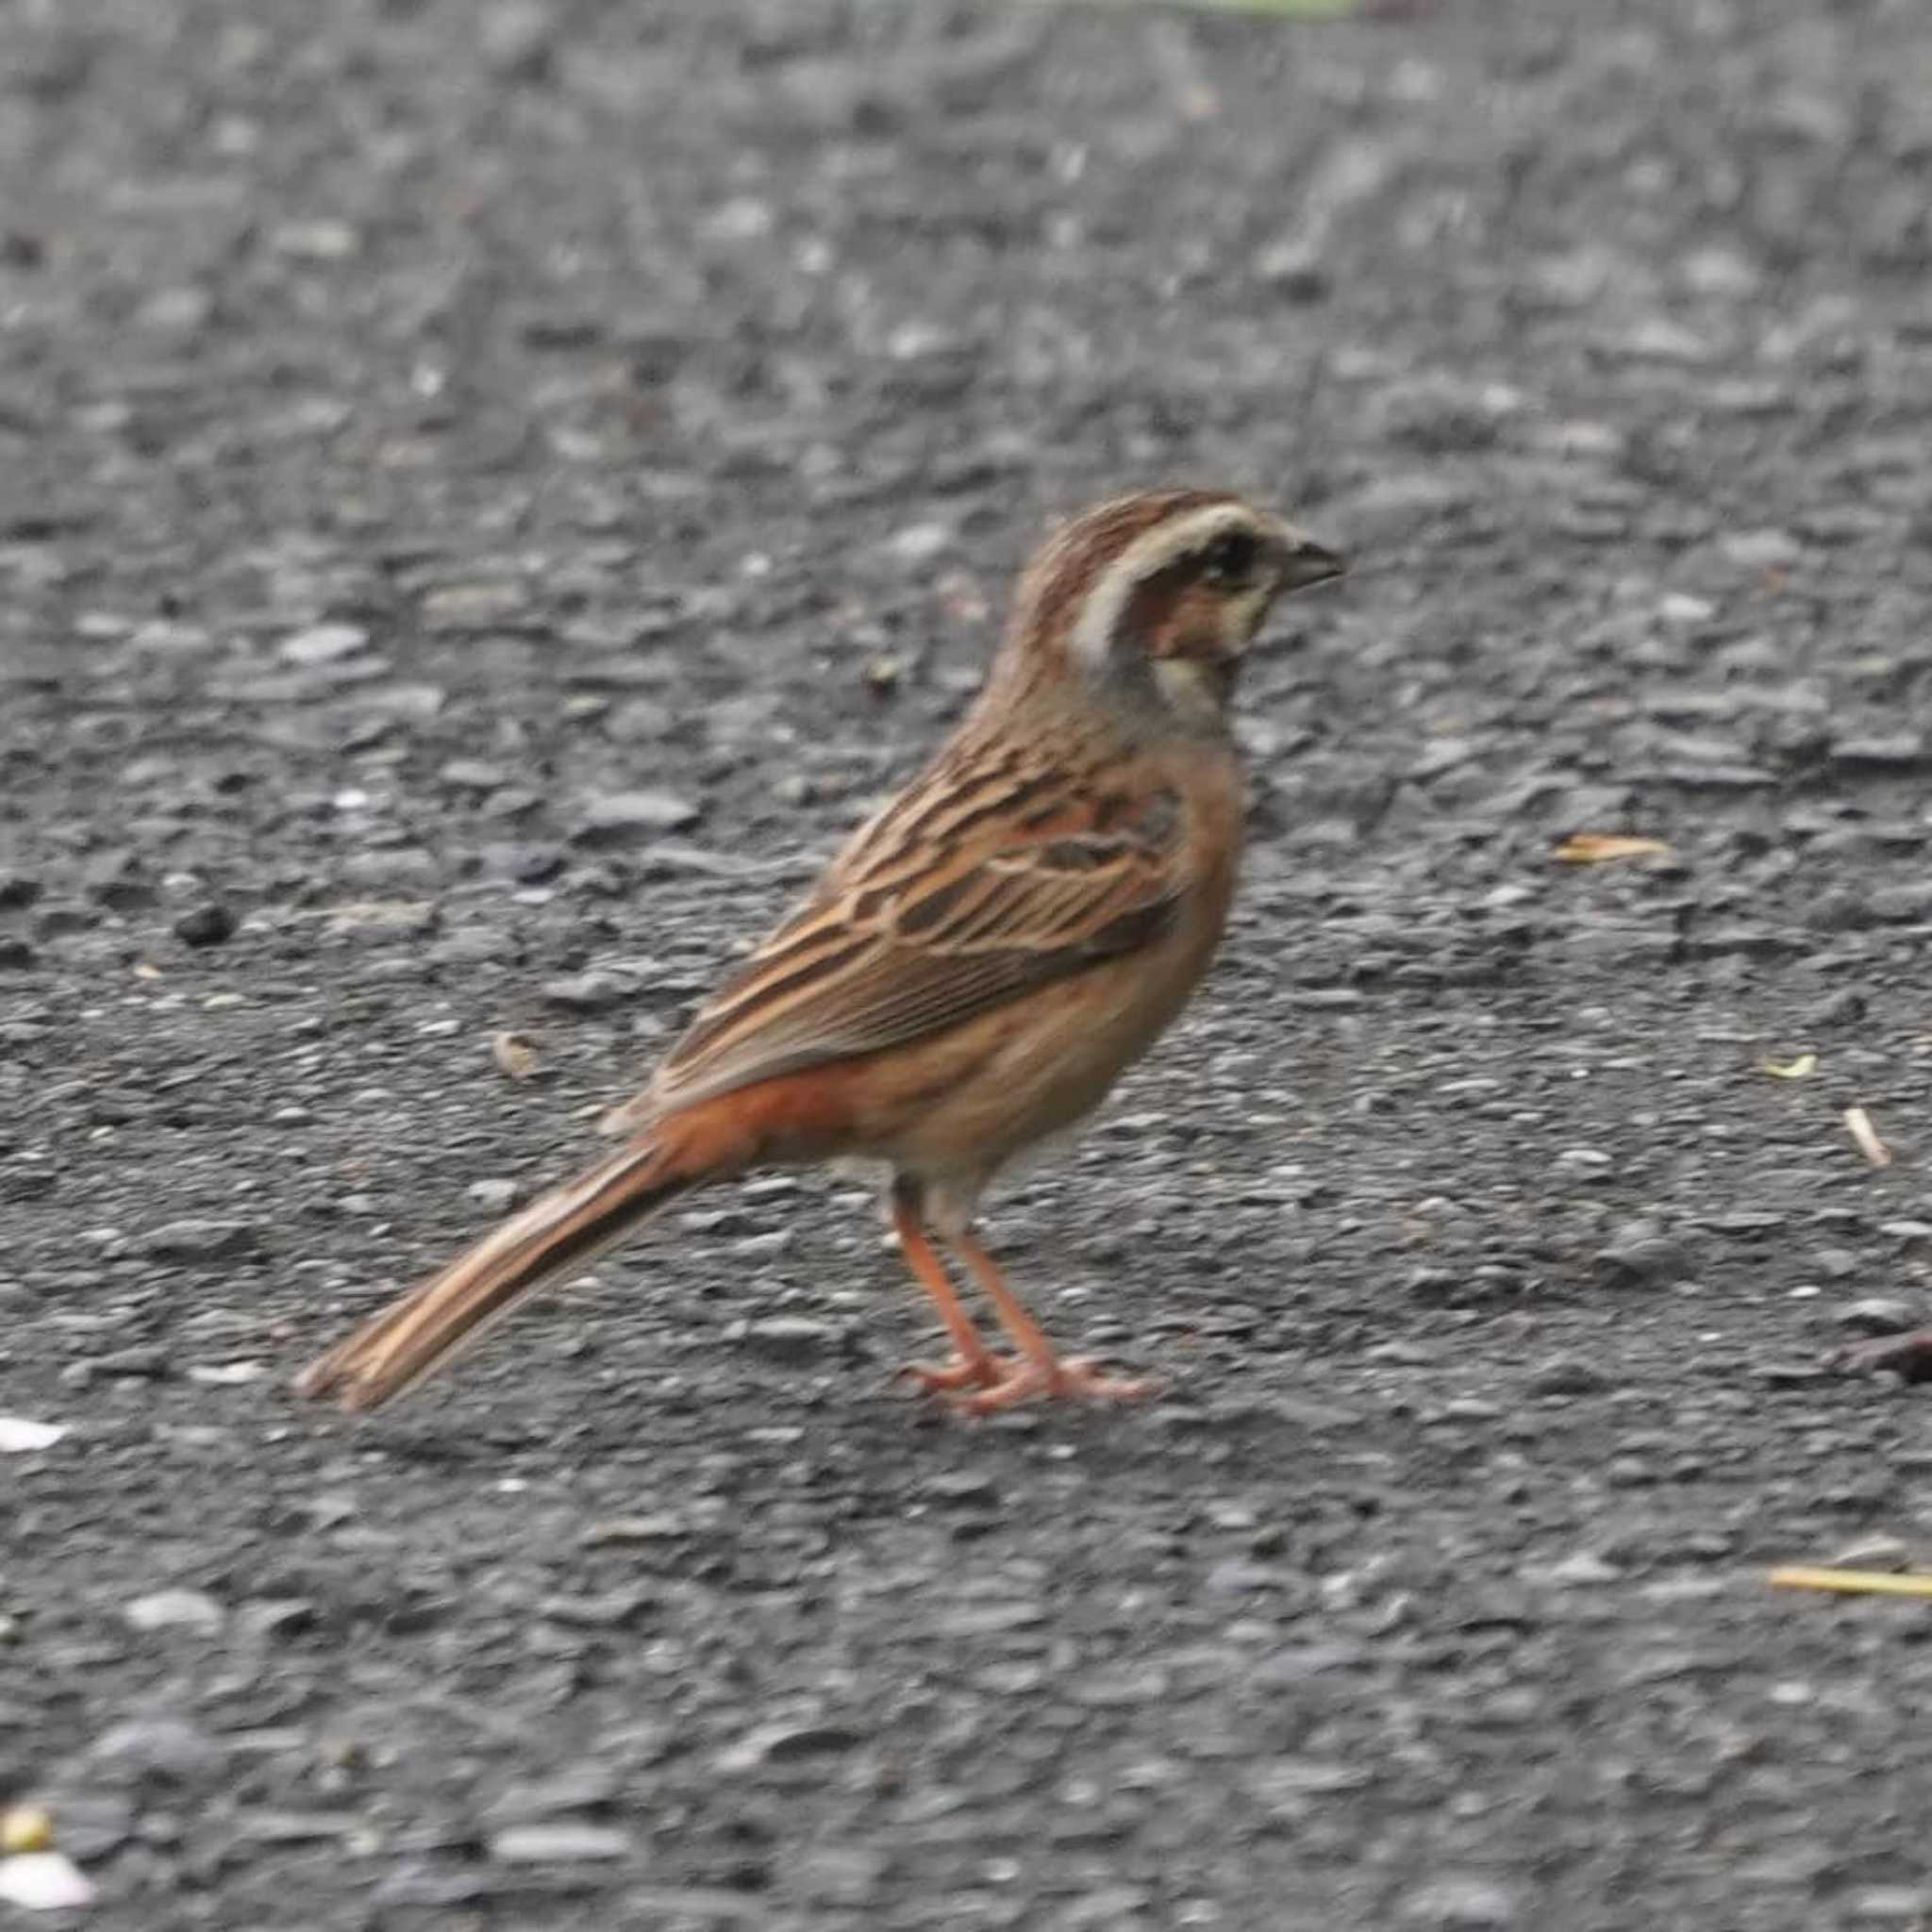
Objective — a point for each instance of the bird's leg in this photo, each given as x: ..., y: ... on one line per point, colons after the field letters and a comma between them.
x: 973, y: 1363
x: 1040, y: 1368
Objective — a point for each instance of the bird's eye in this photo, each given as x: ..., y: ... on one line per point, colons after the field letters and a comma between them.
x: 1230, y: 559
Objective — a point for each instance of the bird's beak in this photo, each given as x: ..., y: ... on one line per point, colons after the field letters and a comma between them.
x: 1309, y: 563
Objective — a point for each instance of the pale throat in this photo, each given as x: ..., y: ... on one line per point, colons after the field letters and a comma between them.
x: 1196, y: 690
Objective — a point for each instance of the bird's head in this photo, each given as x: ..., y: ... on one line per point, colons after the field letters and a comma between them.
x: 1159, y: 597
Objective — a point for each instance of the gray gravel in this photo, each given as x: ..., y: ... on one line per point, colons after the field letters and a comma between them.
x: 487, y: 493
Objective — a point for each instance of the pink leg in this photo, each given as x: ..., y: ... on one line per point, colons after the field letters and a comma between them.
x: 972, y: 1363
x: 1040, y: 1368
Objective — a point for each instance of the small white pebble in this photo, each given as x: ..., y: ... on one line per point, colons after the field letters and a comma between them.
x: 920, y: 542
x: 20, y: 1437
x: 43, y: 1882
x: 1583, y: 1156
x: 1679, y: 607
x: 173, y: 1609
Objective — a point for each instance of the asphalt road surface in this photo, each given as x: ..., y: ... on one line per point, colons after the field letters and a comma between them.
x: 489, y: 493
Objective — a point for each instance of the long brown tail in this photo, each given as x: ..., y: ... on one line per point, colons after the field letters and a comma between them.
x: 417, y: 1332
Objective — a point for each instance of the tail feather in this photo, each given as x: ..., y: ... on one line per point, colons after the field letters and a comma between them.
x: 397, y: 1347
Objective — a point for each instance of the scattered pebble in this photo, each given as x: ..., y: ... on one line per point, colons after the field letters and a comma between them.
x: 20, y: 1437
x: 1906, y: 1907
x: 1878, y: 1550
x: 227, y: 1374
x: 1293, y: 266
x: 379, y: 921
x: 920, y: 543
x: 169, y: 1748
x: 1587, y: 1159
x: 175, y: 1610
x: 474, y: 774
x: 563, y: 1842
x: 792, y: 1340
x: 207, y: 925
x: 1582, y: 1569
x: 1878, y: 1314
x: 203, y: 1241
x: 316, y: 240
x: 785, y: 1743
x: 1903, y: 753
x: 1639, y: 1256
x: 583, y: 1788
x: 323, y: 643
x: 587, y: 992
x: 1459, y: 1903
x: 624, y: 818
x: 1566, y: 1375
x: 1679, y: 607
x: 961, y: 1487
x: 44, y: 1882
x: 1761, y: 549
x: 1908, y: 903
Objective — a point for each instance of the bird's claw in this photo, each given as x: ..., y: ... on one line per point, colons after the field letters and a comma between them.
x: 1071, y: 1379
x: 983, y: 1370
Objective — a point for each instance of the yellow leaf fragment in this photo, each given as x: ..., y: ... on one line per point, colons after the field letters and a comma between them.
x: 24, y: 1828
x: 1859, y: 1124
x: 143, y: 971
x: 1594, y: 849
x: 1852, y: 1582
x: 513, y: 1054
x: 1798, y: 1069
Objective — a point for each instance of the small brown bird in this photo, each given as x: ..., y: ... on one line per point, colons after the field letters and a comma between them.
x: 974, y: 970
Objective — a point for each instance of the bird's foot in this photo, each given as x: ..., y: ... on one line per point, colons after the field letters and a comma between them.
x: 982, y: 1371
x: 1072, y: 1378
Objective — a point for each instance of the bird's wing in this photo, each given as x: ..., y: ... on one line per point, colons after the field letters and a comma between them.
x: 968, y: 891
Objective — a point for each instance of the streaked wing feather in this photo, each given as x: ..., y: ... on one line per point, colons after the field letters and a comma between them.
x: 919, y: 926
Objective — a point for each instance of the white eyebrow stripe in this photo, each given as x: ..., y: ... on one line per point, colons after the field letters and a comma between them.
x: 1092, y: 638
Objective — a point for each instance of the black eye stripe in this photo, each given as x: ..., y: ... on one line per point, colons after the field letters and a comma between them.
x: 1230, y: 556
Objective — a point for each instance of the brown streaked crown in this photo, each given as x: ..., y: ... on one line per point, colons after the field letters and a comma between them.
x: 1066, y: 568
